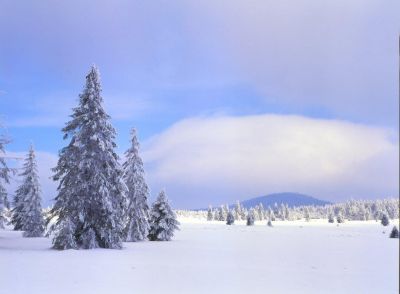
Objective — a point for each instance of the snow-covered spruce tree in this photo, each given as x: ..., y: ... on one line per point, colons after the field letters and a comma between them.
x: 230, y: 218
x: 307, y: 214
x: 287, y: 212
x: 226, y: 209
x: 394, y: 233
x: 238, y: 211
x: 221, y: 214
x: 261, y: 212
x: 163, y: 220
x: 331, y: 219
x: 243, y: 215
x: 250, y: 217
x: 272, y: 217
x: 4, y: 179
x: 210, y: 215
x: 89, y: 206
x: 216, y: 214
x: 340, y: 218
x: 27, y: 213
x: 384, y: 220
x: 137, y: 214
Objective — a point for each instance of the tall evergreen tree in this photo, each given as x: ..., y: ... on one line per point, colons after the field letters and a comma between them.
x: 163, y: 220
x: 137, y: 214
x: 4, y: 179
x: 27, y: 212
x: 89, y: 207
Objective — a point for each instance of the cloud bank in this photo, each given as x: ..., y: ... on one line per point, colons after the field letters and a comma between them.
x: 219, y: 159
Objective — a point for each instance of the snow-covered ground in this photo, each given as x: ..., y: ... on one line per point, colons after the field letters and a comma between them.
x: 211, y: 257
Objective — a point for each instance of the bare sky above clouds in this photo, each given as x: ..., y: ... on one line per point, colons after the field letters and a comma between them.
x: 217, y: 74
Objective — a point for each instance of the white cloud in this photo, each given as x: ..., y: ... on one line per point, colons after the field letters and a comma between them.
x: 219, y: 159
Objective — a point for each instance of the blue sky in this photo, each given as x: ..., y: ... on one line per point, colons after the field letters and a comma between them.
x: 329, y: 67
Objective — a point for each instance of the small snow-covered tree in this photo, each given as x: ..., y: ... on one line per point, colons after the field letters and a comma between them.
x: 261, y: 212
x: 394, y: 233
x: 4, y: 179
x: 238, y: 211
x: 66, y: 238
x: 230, y: 219
x: 331, y: 219
x: 226, y: 209
x: 137, y: 213
x: 340, y: 218
x: 272, y: 217
x: 210, y: 215
x: 367, y: 214
x: 250, y: 217
x: 287, y: 212
x: 90, y: 204
x: 216, y: 214
x: 307, y: 214
x: 276, y: 209
x: 27, y: 213
x: 163, y: 222
x: 221, y: 214
x: 385, y: 220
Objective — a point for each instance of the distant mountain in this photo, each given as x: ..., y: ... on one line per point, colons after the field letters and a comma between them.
x: 291, y: 199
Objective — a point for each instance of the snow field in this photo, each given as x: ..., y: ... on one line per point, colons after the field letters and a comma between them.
x: 211, y: 257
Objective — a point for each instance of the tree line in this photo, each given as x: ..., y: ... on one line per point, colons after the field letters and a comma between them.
x: 338, y: 212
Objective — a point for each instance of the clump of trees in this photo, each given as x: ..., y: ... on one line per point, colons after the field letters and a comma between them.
x: 99, y: 202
